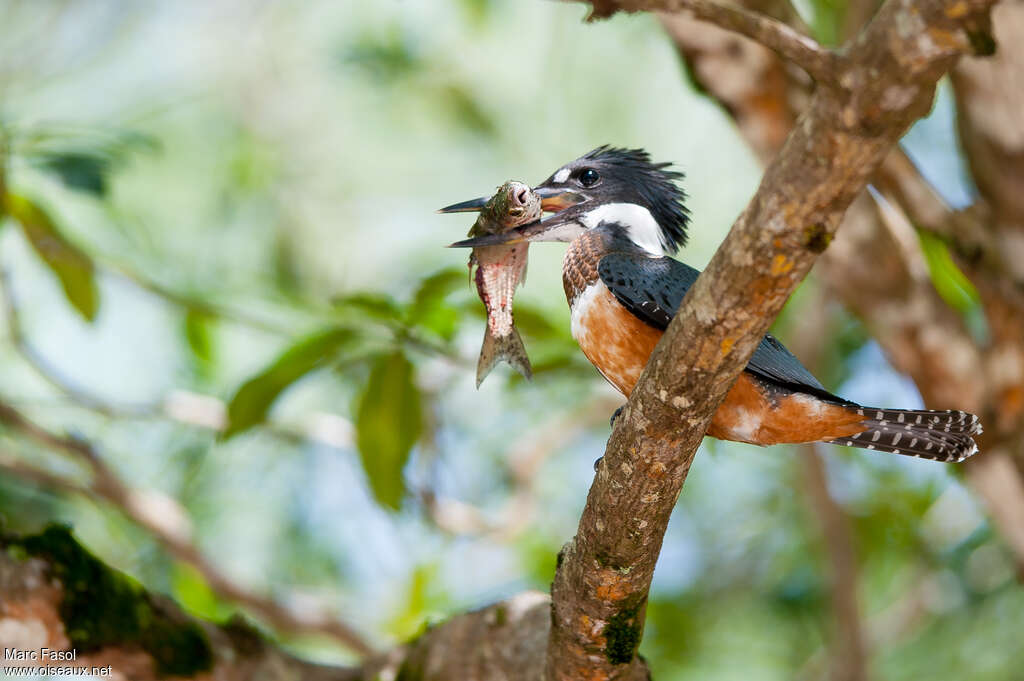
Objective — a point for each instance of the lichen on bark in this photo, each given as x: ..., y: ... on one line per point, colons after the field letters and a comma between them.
x: 102, y: 607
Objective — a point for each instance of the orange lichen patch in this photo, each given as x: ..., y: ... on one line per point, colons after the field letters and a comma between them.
x: 957, y: 10
x: 780, y: 265
x: 946, y: 39
x: 657, y: 470
x: 591, y: 673
x: 726, y: 346
x: 748, y: 415
x: 764, y: 288
x: 612, y: 589
x: 589, y: 627
x: 614, y: 340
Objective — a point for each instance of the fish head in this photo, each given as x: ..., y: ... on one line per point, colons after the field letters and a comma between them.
x: 515, y: 203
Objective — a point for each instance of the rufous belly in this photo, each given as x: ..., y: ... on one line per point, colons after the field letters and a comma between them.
x: 619, y: 345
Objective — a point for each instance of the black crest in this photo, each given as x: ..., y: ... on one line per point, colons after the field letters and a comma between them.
x: 638, y: 180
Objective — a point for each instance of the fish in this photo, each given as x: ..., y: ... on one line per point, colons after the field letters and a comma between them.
x: 499, y: 270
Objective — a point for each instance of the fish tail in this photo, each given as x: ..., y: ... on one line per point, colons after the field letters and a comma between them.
x: 509, y: 348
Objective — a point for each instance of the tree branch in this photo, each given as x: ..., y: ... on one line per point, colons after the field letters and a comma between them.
x: 819, y: 62
x: 600, y: 589
x: 39, y: 610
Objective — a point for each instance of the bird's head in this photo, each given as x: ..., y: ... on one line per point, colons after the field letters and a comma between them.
x: 612, y: 187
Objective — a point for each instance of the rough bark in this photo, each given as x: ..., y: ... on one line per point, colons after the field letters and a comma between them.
x: 503, y: 641
x: 55, y: 595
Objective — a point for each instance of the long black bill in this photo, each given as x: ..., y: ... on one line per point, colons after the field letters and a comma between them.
x: 513, y: 236
x: 552, y: 200
x: 466, y: 206
x: 557, y: 227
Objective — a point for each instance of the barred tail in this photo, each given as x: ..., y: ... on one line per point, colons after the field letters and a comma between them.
x: 937, y: 435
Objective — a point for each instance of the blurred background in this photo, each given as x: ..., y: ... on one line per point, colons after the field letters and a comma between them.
x: 222, y: 266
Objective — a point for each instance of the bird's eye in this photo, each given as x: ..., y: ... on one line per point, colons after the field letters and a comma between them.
x: 589, y: 177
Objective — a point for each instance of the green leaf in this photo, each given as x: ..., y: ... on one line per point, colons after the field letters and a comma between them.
x: 429, y: 308
x: 477, y: 11
x: 198, y: 327
x: 435, y: 288
x: 73, y: 267
x: 423, y: 601
x: 373, y: 305
x: 250, y: 404
x: 387, y: 57
x: 78, y: 170
x: 533, y: 322
x: 952, y: 284
x: 389, y: 421
x: 84, y: 159
x: 193, y: 592
x: 465, y: 109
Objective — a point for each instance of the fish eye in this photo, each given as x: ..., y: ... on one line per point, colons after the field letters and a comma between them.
x: 589, y: 177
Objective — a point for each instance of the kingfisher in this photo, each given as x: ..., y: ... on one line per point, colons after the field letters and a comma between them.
x: 623, y: 217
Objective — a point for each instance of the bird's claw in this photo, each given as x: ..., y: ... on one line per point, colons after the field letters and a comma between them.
x: 615, y: 415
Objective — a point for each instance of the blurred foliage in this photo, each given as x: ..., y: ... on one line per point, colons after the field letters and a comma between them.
x: 279, y: 266
x: 397, y: 58
x: 71, y: 265
x: 82, y: 160
x: 194, y: 594
x: 422, y: 604
x: 389, y: 421
x: 199, y: 330
x: 250, y: 404
x: 951, y: 283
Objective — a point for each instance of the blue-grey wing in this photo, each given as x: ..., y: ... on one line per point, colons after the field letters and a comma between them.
x: 653, y: 288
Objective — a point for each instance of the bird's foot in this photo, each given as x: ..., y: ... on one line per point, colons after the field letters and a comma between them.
x: 615, y: 415
x: 597, y: 462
